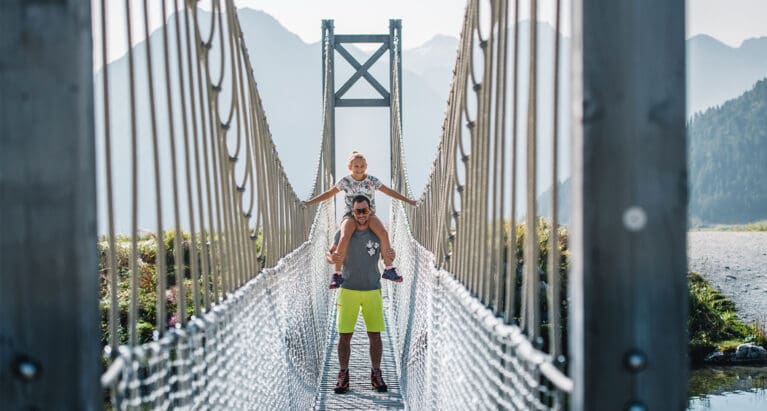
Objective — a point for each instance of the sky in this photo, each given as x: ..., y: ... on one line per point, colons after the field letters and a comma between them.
x: 730, y: 21
x: 421, y: 19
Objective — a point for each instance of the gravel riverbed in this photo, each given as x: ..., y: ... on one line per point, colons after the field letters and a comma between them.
x: 736, y: 264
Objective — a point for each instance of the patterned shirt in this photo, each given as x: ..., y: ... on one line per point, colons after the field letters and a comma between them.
x: 353, y: 188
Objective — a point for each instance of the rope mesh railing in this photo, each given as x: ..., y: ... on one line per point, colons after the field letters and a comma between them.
x: 494, y: 323
x: 274, y: 328
x: 455, y: 352
x: 194, y: 205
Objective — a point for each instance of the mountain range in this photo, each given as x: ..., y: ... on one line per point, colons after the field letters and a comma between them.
x: 427, y: 74
x: 717, y: 72
x: 727, y: 153
x: 728, y: 160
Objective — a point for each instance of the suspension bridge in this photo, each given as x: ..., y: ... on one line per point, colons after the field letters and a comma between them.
x: 224, y: 304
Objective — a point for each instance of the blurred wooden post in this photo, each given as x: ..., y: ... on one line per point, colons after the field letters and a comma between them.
x: 628, y: 281
x: 49, y: 321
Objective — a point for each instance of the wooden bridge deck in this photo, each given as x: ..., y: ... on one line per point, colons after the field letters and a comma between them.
x: 360, y: 396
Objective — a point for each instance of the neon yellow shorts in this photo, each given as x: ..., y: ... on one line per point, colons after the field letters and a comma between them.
x: 349, y: 304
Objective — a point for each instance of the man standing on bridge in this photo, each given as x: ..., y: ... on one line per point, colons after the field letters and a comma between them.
x: 361, y: 289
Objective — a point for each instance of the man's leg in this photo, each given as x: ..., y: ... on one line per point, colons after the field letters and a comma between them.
x: 346, y: 317
x: 348, y: 302
x: 376, y: 349
x: 344, y: 350
x: 376, y: 375
x: 372, y: 312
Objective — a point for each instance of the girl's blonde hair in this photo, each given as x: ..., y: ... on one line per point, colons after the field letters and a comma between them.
x: 355, y: 155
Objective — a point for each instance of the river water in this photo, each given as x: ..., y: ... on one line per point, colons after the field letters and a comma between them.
x: 736, y: 264
x: 728, y: 389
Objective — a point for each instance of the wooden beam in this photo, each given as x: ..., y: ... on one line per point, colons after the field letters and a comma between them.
x: 628, y: 279
x: 49, y: 319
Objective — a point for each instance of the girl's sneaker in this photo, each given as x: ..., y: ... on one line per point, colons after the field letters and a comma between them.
x: 336, y: 281
x: 391, y: 274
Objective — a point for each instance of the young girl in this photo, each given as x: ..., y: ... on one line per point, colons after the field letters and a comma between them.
x: 360, y: 183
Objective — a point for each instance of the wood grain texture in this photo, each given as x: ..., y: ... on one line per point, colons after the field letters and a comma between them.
x: 49, y: 323
x: 628, y: 284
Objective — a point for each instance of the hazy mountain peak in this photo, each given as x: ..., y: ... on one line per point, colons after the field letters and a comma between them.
x: 718, y: 72
x: 756, y: 44
x: 438, y: 41
x: 705, y: 39
x: 266, y: 23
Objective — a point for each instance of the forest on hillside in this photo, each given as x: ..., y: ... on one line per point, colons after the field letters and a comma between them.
x: 728, y: 160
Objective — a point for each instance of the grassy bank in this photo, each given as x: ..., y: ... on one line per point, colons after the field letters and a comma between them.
x: 713, y: 322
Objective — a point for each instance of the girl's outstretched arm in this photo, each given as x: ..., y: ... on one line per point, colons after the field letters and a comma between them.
x: 322, y: 197
x: 393, y: 194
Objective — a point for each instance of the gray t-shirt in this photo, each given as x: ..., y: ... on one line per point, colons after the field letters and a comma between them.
x: 360, y: 269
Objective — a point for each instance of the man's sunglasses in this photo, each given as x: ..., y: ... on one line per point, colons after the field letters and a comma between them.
x: 361, y: 211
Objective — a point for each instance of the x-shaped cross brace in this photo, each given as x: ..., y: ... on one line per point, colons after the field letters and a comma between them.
x: 362, y: 70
